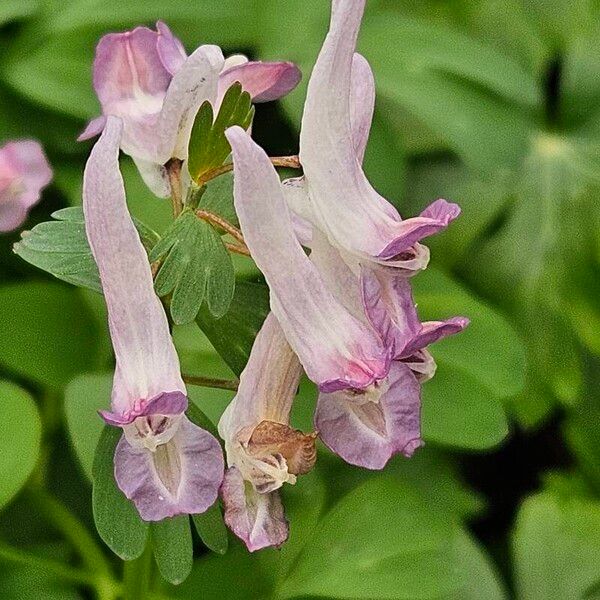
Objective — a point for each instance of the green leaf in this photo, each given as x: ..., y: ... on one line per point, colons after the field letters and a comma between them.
x: 116, y: 518
x: 218, y: 198
x: 172, y: 546
x: 196, y: 267
x: 11, y: 10
x: 423, y: 46
x: 556, y: 545
x: 211, y: 529
x: 233, y: 335
x: 61, y: 248
x: 197, y: 417
x: 489, y: 350
x: 478, y: 100
x: 20, y: 435
x: 208, y: 146
x: 358, y: 552
x: 53, y: 335
x: 84, y: 397
x: 459, y: 411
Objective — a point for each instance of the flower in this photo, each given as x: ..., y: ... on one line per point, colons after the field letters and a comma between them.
x: 337, y: 350
x: 334, y: 194
x: 24, y: 173
x: 145, y: 78
x: 164, y: 463
x: 263, y: 451
x: 367, y: 432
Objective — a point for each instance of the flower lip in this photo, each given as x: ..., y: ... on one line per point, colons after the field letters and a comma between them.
x: 165, y: 403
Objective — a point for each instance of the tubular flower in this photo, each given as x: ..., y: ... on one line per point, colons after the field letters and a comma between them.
x: 24, y: 172
x: 145, y: 78
x: 337, y: 350
x: 164, y: 463
x: 263, y: 451
x: 369, y: 432
x: 334, y: 194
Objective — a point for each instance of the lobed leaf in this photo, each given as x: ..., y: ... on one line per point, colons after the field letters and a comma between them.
x: 196, y: 267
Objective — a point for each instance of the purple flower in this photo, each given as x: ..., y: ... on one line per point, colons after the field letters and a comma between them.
x: 334, y: 195
x: 337, y: 349
x: 164, y: 463
x: 263, y: 451
x: 369, y: 433
x: 24, y: 172
x: 145, y: 78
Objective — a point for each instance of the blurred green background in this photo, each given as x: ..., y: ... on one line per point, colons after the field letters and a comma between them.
x: 494, y: 104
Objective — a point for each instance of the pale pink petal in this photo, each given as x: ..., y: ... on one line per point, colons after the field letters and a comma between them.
x: 147, y: 364
x: 264, y: 81
x: 170, y: 50
x: 336, y: 349
x: 167, y: 404
x: 432, y: 331
x: 368, y: 433
x: 182, y: 476
x: 268, y: 383
x: 92, y: 129
x: 129, y: 76
x: 362, y: 104
x: 12, y: 214
x: 155, y: 176
x: 195, y: 82
x: 389, y: 305
x: 257, y: 519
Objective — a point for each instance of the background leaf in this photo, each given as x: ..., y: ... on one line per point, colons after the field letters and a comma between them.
x: 117, y: 520
x: 172, y: 546
x: 20, y: 421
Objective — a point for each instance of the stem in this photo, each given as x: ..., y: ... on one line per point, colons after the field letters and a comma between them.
x: 174, y: 173
x: 64, y: 572
x: 73, y: 530
x: 232, y: 230
x: 221, y: 384
x: 290, y: 162
x: 137, y: 576
x: 238, y: 249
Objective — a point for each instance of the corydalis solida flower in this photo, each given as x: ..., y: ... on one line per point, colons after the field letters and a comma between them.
x: 263, y: 451
x: 164, y: 463
x: 145, y: 78
x: 334, y: 195
x: 24, y: 173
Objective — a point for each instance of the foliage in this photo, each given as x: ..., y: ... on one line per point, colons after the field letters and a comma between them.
x: 491, y: 103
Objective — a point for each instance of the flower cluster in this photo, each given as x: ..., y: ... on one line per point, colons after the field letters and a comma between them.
x: 336, y: 255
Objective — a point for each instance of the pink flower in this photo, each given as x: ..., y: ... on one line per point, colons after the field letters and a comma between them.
x: 145, y: 78
x: 164, y: 463
x: 24, y: 173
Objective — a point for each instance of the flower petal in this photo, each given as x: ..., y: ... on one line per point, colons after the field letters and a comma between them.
x: 362, y: 104
x: 147, y: 363
x: 195, y: 82
x: 92, y: 129
x: 129, y: 75
x: 268, y: 384
x: 389, y: 305
x: 336, y: 350
x: 12, y: 214
x: 264, y: 81
x: 181, y: 477
x: 170, y: 50
x: 368, y: 434
x: 155, y: 177
x: 257, y: 519
x: 432, y: 331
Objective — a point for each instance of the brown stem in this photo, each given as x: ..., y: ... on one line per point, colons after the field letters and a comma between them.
x: 174, y: 173
x: 221, y: 384
x: 291, y: 162
x: 238, y: 249
x: 232, y: 230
